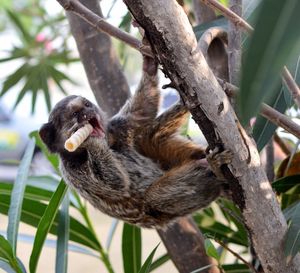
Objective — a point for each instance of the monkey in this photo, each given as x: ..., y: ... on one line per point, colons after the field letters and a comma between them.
x: 135, y: 166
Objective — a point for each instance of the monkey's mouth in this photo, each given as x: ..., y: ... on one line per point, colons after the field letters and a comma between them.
x: 98, y: 128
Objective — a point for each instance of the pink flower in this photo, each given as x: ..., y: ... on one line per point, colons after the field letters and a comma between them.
x: 40, y: 37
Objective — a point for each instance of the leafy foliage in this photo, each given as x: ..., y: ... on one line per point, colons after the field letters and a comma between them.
x: 269, y: 49
x: 39, y: 57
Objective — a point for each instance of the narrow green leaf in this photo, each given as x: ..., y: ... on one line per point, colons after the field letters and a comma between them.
x: 45, y: 225
x: 221, y: 22
x: 14, y: 78
x: 160, y: 261
x: 17, y: 196
x: 210, y: 249
x: 131, y: 248
x: 286, y: 183
x: 6, y: 266
x: 33, y: 211
x: 264, y: 129
x: 146, y: 268
x: 292, y: 241
x: 275, y: 38
x: 43, y: 75
x: 63, y: 237
x: 52, y: 158
x: 19, y: 25
x: 7, y: 255
x: 111, y: 233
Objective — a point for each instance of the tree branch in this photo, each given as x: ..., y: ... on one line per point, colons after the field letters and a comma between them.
x: 266, y: 111
x: 101, y: 25
x: 234, y: 44
x: 292, y: 86
x: 171, y: 36
x: 100, y: 62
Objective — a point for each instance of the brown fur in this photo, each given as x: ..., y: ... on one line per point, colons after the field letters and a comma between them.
x: 143, y: 171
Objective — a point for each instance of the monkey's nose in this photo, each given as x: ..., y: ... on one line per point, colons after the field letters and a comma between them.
x: 84, y: 116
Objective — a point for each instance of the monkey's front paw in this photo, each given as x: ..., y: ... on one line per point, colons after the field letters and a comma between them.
x: 216, y: 159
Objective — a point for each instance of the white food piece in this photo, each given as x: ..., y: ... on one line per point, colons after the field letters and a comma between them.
x: 73, y: 142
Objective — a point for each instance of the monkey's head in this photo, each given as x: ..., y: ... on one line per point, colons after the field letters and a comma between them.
x: 68, y: 115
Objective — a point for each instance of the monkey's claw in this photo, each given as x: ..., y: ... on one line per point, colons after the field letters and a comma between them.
x: 216, y: 159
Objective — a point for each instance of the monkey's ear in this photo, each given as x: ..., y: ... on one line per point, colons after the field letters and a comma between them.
x: 48, y: 135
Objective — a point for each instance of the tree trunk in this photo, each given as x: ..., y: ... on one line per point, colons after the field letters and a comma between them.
x: 100, y: 62
x: 171, y: 36
x: 111, y: 91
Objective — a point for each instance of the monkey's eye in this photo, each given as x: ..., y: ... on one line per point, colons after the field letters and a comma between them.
x: 87, y: 104
x: 75, y: 114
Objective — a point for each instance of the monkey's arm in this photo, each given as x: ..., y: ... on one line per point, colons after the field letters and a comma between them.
x: 162, y: 142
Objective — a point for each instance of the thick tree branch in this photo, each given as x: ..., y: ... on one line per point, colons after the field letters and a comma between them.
x: 171, y: 36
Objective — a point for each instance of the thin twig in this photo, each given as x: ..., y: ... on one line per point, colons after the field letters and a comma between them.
x: 230, y: 15
x: 266, y: 111
x: 101, y: 25
x: 287, y: 151
x: 238, y: 256
x: 292, y: 85
x: 240, y: 22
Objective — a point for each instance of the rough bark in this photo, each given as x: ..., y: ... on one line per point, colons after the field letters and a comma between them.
x: 100, y: 62
x: 173, y: 41
x: 185, y: 245
x: 111, y: 90
x: 234, y: 44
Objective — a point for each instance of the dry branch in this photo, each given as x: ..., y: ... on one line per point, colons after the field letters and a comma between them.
x: 100, y: 24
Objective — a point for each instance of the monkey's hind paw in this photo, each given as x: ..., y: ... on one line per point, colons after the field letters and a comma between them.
x: 216, y: 159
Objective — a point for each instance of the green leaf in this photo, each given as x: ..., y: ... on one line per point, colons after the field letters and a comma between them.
x: 221, y: 22
x: 210, y: 249
x: 286, y: 183
x: 63, y: 237
x: 19, y: 25
x: 264, y: 129
x: 14, y: 78
x: 236, y: 268
x: 218, y: 230
x: 45, y: 225
x: 126, y: 22
x: 146, y: 268
x: 17, y: 196
x: 111, y: 233
x: 52, y: 158
x: 7, y: 255
x: 160, y: 261
x: 275, y: 38
x: 33, y: 211
x: 131, y: 248
x: 43, y: 75
x: 292, y: 240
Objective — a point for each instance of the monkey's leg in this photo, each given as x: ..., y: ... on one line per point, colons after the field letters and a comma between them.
x: 182, y: 190
x: 164, y: 144
x: 185, y: 189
